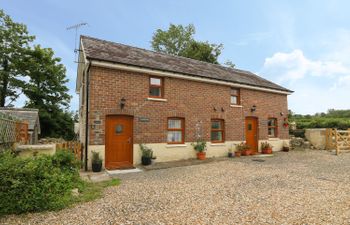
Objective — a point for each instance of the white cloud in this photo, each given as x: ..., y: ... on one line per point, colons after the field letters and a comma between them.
x: 318, y: 84
x: 294, y: 66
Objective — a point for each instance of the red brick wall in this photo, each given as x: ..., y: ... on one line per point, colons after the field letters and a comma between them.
x: 194, y: 101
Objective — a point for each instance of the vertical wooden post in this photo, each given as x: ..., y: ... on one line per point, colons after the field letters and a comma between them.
x: 336, y: 142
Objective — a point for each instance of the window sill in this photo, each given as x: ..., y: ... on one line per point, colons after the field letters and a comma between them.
x: 176, y: 145
x: 236, y: 106
x: 273, y: 139
x: 157, y: 99
x: 217, y: 144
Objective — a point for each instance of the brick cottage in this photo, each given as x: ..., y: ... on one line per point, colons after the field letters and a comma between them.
x: 130, y: 96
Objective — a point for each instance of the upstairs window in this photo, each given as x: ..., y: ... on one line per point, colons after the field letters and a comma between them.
x: 272, y: 127
x: 156, y: 87
x: 176, y: 131
x: 235, y: 96
x: 217, y: 133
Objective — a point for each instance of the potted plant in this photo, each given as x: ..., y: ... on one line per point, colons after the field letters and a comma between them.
x: 200, y: 147
x: 238, y: 153
x: 286, y: 146
x: 230, y: 153
x: 96, y: 162
x: 146, y: 155
x: 266, y: 148
x: 244, y: 149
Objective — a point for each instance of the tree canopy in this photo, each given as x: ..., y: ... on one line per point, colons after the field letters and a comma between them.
x: 14, y: 42
x: 38, y: 74
x: 179, y: 40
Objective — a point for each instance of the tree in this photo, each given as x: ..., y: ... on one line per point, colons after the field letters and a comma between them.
x: 14, y: 40
x: 178, y: 40
x: 230, y: 64
x: 47, y: 91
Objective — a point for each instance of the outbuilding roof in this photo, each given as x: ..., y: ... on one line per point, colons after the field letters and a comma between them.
x: 31, y: 116
x: 97, y: 49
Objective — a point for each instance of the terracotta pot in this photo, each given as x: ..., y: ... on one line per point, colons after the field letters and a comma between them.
x: 267, y: 151
x: 247, y: 152
x: 237, y: 154
x: 201, y: 155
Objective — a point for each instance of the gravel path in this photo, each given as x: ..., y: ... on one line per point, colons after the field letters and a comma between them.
x: 311, y: 187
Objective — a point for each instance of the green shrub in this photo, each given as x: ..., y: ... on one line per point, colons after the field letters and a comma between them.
x: 298, y: 133
x: 37, y: 183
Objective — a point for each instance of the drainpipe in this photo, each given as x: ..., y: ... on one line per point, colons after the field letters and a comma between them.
x: 87, y: 116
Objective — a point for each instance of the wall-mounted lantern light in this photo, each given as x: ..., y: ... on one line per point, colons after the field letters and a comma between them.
x: 122, y: 103
x: 222, y: 109
x: 281, y: 113
x: 253, y: 109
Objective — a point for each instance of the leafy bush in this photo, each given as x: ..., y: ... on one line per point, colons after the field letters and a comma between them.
x: 146, y: 152
x: 298, y: 133
x: 37, y: 183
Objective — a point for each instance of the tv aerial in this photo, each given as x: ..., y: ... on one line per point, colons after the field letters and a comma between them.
x: 76, y: 27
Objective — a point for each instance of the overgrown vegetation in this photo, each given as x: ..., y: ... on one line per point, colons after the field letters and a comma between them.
x: 339, y: 119
x: 43, y: 183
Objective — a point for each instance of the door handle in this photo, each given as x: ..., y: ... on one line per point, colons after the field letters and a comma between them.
x: 129, y: 140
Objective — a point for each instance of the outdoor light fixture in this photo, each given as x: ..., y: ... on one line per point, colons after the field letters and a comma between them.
x: 122, y: 103
x: 222, y: 109
x: 281, y: 113
x: 253, y: 109
x: 214, y: 108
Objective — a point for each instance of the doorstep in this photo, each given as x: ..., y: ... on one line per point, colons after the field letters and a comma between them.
x: 123, y: 171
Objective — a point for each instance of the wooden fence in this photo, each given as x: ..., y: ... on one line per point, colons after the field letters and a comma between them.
x: 338, y: 140
x: 12, y: 131
x: 74, y: 146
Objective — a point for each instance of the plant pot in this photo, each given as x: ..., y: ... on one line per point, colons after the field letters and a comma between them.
x: 96, y: 166
x: 266, y: 151
x: 237, y: 154
x: 286, y: 149
x: 201, y: 155
x: 247, y: 152
x: 230, y: 155
x: 146, y: 161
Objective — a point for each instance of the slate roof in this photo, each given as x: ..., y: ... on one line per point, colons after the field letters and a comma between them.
x: 98, y: 49
x: 25, y: 114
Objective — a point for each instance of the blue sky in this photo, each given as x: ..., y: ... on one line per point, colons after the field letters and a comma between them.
x: 302, y: 45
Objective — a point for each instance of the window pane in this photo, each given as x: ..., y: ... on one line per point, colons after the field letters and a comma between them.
x: 215, y: 124
x: 234, y: 91
x: 271, y: 122
x: 216, y: 135
x: 174, y: 123
x: 155, y: 81
x: 174, y: 136
x: 272, y: 132
x: 155, y: 91
x: 234, y: 100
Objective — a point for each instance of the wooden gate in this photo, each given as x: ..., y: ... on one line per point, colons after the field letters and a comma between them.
x: 338, y: 140
x: 74, y: 146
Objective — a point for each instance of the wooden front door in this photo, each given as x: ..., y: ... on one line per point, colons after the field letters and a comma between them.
x: 251, y: 132
x: 119, y: 142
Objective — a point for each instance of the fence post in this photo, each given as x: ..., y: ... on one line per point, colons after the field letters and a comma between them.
x: 336, y: 142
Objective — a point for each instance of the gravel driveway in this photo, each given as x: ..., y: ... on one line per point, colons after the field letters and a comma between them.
x: 311, y: 187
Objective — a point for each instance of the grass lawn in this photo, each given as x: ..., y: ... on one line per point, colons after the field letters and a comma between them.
x: 89, y: 191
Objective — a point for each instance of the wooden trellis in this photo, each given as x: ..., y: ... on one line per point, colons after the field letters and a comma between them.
x: 338, y: 140
x: 12, y: 131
